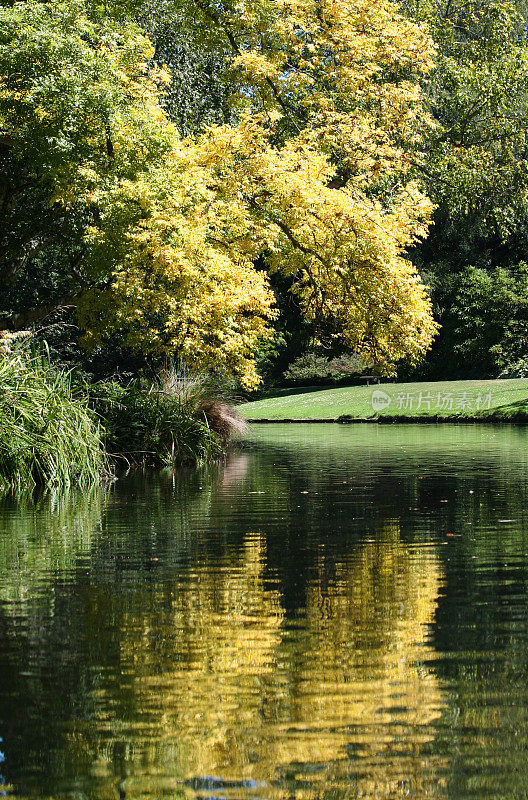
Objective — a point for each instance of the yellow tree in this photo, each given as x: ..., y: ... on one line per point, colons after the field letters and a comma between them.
x: 103, y: 207
x: 331, y: 121
x: 163, y: 234
x: 315, y: 174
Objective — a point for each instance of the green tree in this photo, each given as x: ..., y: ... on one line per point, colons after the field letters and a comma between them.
x: 477, y: 155
x: 476, y: 172
x: 200, y: 90
x: 489, y: 319
x: 160, y: 238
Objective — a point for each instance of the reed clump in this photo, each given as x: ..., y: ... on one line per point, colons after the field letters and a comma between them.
x: 48, y: 434
x: 178, y: 418
x: 53, y: 434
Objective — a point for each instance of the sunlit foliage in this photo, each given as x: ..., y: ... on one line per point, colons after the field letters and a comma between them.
x: 476, y: 172
x: 158, y: 237
x: 477, y: 158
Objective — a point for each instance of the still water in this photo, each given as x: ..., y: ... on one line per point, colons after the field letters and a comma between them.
x: 337, y: 612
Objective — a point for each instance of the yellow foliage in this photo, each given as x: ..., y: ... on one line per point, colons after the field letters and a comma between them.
x: 315, y: 177
x: 336, y: 115
x: 176, y: 286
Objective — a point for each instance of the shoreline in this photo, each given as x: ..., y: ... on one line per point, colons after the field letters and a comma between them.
x: 386, y: 420
x: 462, y: 402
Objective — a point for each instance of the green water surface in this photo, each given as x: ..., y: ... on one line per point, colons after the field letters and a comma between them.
x: 336, y: 612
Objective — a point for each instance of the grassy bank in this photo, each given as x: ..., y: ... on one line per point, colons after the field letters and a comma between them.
x: 55, y: 432
x: 505, y: 400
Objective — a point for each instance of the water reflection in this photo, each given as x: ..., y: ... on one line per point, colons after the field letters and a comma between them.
x: 44, y: 536
x: 331, y: 613
x: 249, y: 696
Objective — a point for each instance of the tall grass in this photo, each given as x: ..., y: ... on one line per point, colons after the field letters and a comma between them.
x: 48, y: 435
x: 200, y: 395
x: 53, y: 436
x: 179, y: 418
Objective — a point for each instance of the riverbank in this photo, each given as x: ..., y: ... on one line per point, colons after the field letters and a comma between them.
x: 59, y: 430
x: 444, y: 401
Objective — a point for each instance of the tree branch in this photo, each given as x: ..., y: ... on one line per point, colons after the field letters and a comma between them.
x: 287, y: 232
x: 286, y: 107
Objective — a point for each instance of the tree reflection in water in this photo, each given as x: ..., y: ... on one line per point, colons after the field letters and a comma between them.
x: 224, y: 634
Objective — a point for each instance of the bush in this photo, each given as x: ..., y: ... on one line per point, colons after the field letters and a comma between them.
x: 177, y: 419
x: 48, y: 435
x: 519, y: 369
x: 314, y: 368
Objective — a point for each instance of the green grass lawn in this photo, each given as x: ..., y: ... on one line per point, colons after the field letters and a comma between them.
x: 496, y: 399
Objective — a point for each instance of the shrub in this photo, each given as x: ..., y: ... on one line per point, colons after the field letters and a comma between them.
x: 314, y: 368
x: 519, y: 369
x: 48, y: 435
x: 178, y: 419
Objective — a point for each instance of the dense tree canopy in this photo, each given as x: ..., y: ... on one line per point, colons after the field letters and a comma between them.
x: 476, y: 162
x: 97, y: 187
x: 163, y: 238
x: 476, y: 173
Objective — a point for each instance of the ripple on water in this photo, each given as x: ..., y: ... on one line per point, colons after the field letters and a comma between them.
x: 337, y: 611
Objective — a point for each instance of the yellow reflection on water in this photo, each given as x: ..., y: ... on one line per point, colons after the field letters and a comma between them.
x: 224, y: 686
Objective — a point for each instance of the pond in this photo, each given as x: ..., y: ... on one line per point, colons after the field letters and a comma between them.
x: 339, y: 611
